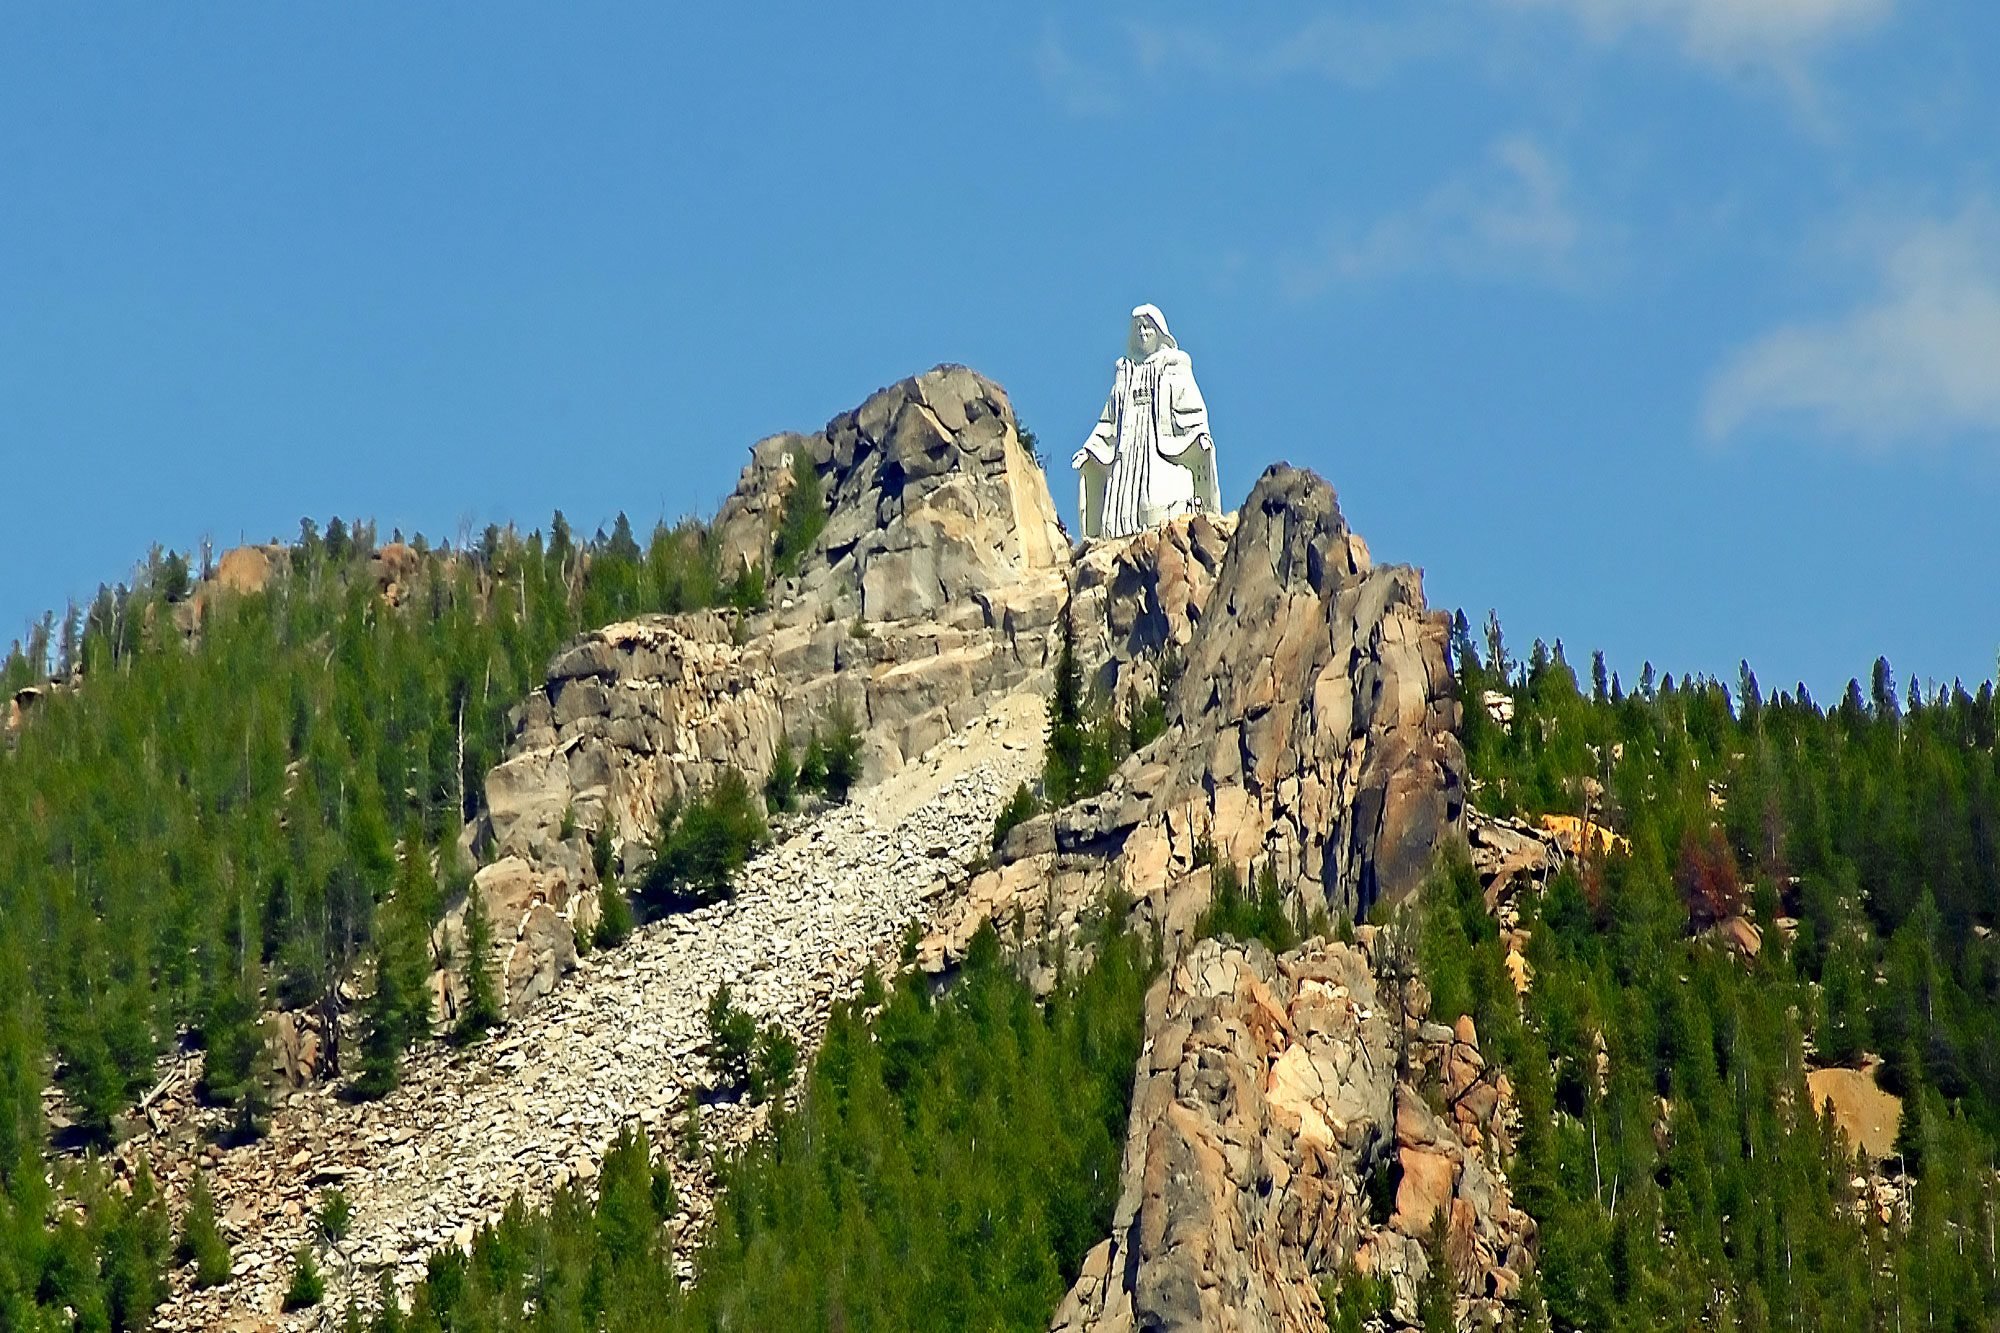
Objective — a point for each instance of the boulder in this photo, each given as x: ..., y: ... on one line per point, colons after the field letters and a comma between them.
x: 246, y: 569
x: 1866, y: 1114
x: 1265, y: 1099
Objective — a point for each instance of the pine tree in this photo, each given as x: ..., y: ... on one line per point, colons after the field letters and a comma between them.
x: 732, y: 1034
x: 398, y: 1011
x: 842, y: 753
x: 481, y: 1009
x: 201, y: 1242
x: 308, y: 1287
x: 803, y: 517
x: 781, y: 786
x: 614, y: 914
x: 1498, y: 664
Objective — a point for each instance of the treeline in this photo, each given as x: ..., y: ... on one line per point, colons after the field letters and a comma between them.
x: 204, y: 828
x: 1668, y: 1146
x: 950, y: 1160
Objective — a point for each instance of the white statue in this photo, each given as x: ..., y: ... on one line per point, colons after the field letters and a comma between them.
x: 1150, y: 458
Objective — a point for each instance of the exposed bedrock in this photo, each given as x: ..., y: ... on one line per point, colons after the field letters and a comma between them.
x: 1310, y: 714
x: 1267, y: 1098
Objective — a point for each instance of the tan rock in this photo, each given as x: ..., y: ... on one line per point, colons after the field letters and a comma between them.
x: 1865, y: 1114
x: 246, y: 569
x: 1241, y: 1192
x: 1428, y: 1181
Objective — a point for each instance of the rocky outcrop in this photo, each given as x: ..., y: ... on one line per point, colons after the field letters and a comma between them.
x: 933, y: 507
x: 933, y: 589
x: 1866, y: 1114
x: 1309, y: 726
x: 1313, y: 723
x: 633, y: 715
x: 1137, y: 602
x: 1267, y: 1099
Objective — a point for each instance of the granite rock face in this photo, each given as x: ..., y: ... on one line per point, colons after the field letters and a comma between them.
x: 932, y: 503
x: 1138, y: 602
x: 1267, y: 1096
x: 1311, y: 724
x: 933, y: 589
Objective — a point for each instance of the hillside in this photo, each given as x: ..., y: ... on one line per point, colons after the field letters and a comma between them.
x: 1421, y: 987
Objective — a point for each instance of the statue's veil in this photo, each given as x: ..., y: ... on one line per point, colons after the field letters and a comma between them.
x: 1151, y: 312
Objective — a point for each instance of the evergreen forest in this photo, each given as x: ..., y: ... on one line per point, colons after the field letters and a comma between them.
x: 948, y: 1163
x: 236, y: 806
x: 205, y: 820
x: 1684, y: 1179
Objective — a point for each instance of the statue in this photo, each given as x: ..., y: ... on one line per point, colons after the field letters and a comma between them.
x: 1150, y: 457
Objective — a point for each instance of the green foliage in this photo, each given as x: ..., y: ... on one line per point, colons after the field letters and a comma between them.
x: 703, y: 843
x: 1241, y: 916
x: 201, y: 1241
x: 774, y: 1061
x: 948, y: 1165
x: 1436, y: 1293
x: 804, y: 517
x: 1088, y: 737
x: 1083, y: 746
x: 832, y: 762
x: 732, y: 1033
x: 397, y: 1013
x: 843, y: 753
x: 215, y: 826
x: 1354, y: 1300
x: 480, y: 1011
x: 336, y: 1214
x: 308, y: 1286
x: 1688, y: 1187
x: 603, y: 854
x: 614, y: 914
x: 1021, y: 807
x: 781, y: 786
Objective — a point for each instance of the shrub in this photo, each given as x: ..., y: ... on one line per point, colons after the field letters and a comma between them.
x: 732, y: 1034
x: 602, y: 853
x: 781, y: 787
x: 614, y: 915
x: 772, y: 1063
x: 1021, y: 807
x: 702, y: 845
x: 803, y: 519
x: 336, y: 1214
x: 1243, y: 916
x: 201, y: 1242
x: 308, y: 1287
x: 843, y: 754
x: 482, y: 993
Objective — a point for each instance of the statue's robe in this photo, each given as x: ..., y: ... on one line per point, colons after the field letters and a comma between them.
x: 1150, y: 457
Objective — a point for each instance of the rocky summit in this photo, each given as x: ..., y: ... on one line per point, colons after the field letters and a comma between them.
x: 1308, y: 736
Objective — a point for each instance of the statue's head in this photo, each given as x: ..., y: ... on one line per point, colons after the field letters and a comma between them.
x: 1149, y: 333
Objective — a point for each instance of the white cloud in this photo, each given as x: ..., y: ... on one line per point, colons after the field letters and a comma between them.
x: 1077, y: 87
x: 1727, y: 32
x: 1918, y: 363
x: 1508, y: 218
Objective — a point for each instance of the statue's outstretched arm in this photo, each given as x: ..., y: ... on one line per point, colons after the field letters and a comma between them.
x: 1102, y: 444
x: 1189, y: 425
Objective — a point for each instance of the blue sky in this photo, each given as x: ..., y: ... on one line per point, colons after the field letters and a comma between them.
x: 1670, y: 327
